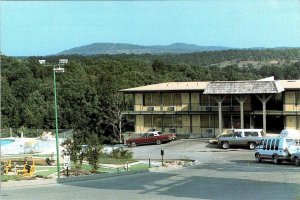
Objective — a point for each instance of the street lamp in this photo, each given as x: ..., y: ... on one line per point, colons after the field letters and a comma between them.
x: 56, y: 69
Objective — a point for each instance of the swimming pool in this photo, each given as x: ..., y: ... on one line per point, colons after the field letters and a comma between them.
x: 6, y: 141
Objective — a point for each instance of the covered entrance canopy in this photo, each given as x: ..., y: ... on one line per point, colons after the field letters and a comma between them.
x: 263, y: 89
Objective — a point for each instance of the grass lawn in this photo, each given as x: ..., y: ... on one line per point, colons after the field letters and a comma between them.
x: 5, y: 178
x: 117, y: 168
x: 45, y: 171
x: 108, y: 160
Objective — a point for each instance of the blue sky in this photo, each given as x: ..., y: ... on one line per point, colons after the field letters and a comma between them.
x: 44, y: 28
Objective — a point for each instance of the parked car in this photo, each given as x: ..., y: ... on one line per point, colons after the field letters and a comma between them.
x: 241, y: 137
x: 278, y: 149
x: 155, y: 137
x: 295, y: 157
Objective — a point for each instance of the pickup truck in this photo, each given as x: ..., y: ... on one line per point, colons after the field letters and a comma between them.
x: 241, y: 137
x: 155, y: 137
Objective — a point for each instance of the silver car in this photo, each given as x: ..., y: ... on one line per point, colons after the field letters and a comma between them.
x: 241, y: 137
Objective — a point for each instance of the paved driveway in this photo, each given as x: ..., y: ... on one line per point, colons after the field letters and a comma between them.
x: 233, y: 181
x: 195, y: 149
x: 219, y: 175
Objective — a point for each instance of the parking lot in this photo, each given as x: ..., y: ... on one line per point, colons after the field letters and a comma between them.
x: 211, y: 160
x: 195, y: 149
x: 218, y: 174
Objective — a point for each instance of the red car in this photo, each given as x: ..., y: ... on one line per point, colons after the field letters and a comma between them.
x: 151, y: 137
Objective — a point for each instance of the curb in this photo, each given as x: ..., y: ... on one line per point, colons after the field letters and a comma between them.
x: 30, y: 183
x: 25, y: 183
x: 97, y: 176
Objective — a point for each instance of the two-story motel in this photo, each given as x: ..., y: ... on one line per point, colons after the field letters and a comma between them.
x: 206, y: 109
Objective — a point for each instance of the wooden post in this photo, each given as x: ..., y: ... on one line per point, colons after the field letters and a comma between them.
x: 219, y: 99
x: 241, y: 99
x: 264, y: 101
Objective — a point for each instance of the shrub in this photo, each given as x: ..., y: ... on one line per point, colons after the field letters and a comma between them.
x: 93, y: 152
x: 121, y: 153
x: 74, y: 149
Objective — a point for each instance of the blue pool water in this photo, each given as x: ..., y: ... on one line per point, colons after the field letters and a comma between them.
x: 6, y: 141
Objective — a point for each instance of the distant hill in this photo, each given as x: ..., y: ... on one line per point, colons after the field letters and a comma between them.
x: 123, y: 48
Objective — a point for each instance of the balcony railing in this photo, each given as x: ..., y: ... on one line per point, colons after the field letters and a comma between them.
x: 179, y: 108
x: 202, y: 108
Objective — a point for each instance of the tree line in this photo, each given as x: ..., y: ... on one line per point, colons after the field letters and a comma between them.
x: 87, y: 92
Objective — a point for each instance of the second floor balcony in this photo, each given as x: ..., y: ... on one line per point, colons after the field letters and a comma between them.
x: 182, y: 108
x: 139, y: 108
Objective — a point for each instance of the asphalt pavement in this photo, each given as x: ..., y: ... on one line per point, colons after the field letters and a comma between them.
x: 219, y: 175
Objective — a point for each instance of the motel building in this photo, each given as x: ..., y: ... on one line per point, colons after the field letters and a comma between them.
x: 206, y: 109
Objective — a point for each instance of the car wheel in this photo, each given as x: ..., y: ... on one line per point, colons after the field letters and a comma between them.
x: 158, y: 142
x: 276, y: 160
x: 252, y: 145
x: 225, y: 145
x: 257, y: 158
x: 297, y: 161
x: 133, y: 144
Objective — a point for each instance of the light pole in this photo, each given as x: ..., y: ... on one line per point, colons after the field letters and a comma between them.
x: 56, y: 69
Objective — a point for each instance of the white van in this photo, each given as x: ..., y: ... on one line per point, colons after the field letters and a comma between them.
x: 290, y: 133
x: 276, y: 149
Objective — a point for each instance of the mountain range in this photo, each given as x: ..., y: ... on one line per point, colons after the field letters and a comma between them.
x: 123, y: 48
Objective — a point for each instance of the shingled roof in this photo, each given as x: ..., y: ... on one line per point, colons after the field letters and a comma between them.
x: 243, y: 87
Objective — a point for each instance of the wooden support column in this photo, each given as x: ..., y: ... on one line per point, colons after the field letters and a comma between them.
x: 219, y: 100
x: 264, y: 99
x: 190, y: 102
x: 241, y: 99
x: 191, y: 125
x: 161, y: 102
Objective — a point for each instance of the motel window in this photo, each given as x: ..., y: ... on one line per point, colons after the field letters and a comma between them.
x: 171, y: 99
x: 167, y: 120
x: 176, y: 99
x: 172, y: 120
x: 152, y: 120
x: 151, y: 99
x: 206, y: 100
x: 205, y: 121
x: 177, y: 120
x: 230, y: 101
x: 157, y: 119
x: 148, y: 120
x: 290, y: 98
